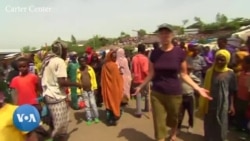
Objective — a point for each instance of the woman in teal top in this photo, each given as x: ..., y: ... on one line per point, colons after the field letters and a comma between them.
x: 72, y: 72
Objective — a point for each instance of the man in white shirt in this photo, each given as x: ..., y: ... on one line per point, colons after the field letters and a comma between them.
x: 54, y: 80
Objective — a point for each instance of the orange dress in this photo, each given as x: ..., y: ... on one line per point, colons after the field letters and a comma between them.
x: 112, y: 85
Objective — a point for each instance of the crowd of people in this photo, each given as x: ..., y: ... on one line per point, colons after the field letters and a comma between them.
x: 172, y: 78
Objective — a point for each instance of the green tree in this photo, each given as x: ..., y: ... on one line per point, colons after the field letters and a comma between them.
x: 232, y: 25
x: 33, y: 48
x: 184, y: 22
x: 73, y: 39
x: 97, y: 42
x: 141, y: 33
x: 122, y: 34
x: 59, y: 39
x: 241, y: 21
x: 79, y: 50
x: 27, y: 49
x: 221, y: 19
x: 199, y: 21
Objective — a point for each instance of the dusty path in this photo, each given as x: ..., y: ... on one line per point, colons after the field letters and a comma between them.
x: 128, y: 129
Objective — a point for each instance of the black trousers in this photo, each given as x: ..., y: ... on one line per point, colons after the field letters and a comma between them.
x: 187, y: 105
x: 99, y: 99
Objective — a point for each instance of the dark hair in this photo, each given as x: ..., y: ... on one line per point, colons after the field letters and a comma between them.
x: 141, y: 48
x: 2, y: 73
x: 223, y: 39
x: 82, y: 57
x: 103, y: 54
x: 156, y: 45
x: 196, y: 47
x: 182, y: 43
x: 247, y: 59
x: 174, y: 40
x: 248, y: 40
x: 22, y: 59
x: 14, y: 65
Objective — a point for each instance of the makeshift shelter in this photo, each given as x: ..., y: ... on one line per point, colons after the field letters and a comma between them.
x: 242, y: 34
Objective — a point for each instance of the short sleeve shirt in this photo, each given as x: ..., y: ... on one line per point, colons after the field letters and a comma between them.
x: 167, y: 66
x: 56, y: 68
x: 26, y: 88
x: 8, y: 130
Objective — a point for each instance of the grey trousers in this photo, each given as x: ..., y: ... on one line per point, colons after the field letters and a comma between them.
x: 91, y: 108
x: 143, y: 94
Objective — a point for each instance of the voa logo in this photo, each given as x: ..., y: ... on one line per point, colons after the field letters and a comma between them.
x: 26, y: 118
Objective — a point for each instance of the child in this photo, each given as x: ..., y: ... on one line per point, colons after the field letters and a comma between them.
x: 243, y: 96
x: 25, y: 85
x: 86, y: 76
x: 188, y: 102
x: 198, y: 62
x: 8, y: 130
x: 222, y: 85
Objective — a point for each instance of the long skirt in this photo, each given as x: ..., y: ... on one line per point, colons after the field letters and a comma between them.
x: 59, y: 114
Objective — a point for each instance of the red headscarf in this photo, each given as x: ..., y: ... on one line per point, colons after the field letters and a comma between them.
x: 89, y: 52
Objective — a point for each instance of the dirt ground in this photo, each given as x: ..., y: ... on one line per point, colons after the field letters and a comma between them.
x: 129, y: 128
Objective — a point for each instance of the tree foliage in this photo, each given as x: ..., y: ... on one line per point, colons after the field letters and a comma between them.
x: 141, y: 33
x: 27, y: 49
x: 184, y: 22
x: 98, y: 41
x: 222, y: 22
x: 94, y: 42
x: 78, y: 49
x: 124, y: 35
x: 221, y: 19
x: 73, y: 39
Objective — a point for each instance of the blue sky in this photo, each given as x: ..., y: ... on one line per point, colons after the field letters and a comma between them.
x: 85, y: 18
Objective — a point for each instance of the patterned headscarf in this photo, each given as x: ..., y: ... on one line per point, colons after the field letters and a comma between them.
x: 56, y: 51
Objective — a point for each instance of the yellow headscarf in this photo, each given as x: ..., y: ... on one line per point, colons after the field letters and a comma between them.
x: 241, y: 55
x: 203, y: 103
x: 38, y: 59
